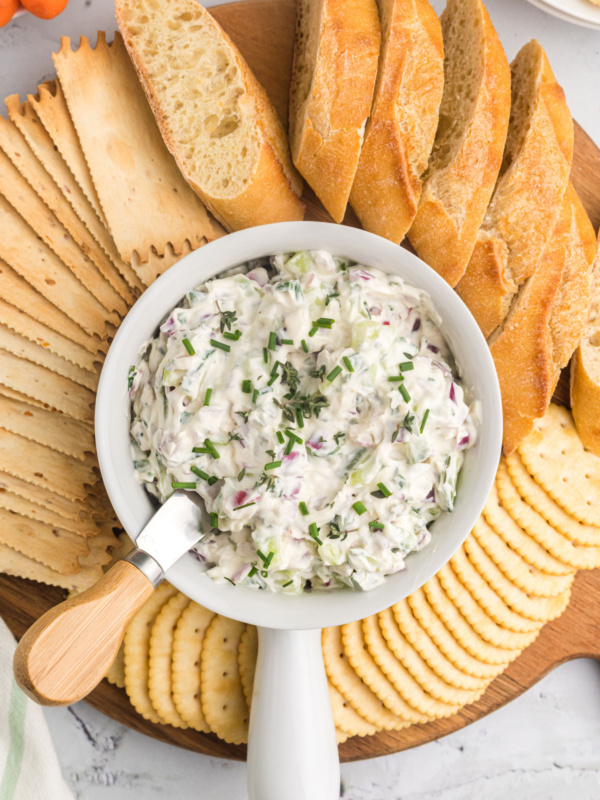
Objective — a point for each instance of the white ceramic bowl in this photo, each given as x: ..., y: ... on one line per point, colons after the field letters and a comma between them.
x: 132, y: 504
x: 292, y: 751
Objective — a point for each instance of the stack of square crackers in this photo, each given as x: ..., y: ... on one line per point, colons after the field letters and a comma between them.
x: 92, y: 209
x: 425, y: 657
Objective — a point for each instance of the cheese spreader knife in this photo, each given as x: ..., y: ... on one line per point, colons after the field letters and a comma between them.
x: 66, y: 653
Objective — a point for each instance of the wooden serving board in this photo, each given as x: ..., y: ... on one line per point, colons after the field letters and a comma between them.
x: 263, y: 30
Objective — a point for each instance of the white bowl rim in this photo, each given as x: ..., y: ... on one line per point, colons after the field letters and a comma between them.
x: 132, y: 504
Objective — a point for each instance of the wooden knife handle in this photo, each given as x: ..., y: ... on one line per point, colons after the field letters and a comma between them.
x: 67, y: 652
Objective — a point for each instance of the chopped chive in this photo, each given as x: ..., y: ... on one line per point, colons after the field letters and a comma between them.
x: 304, y: 345
x: 313, y: 330
x: 247, y: 387
x: 253, y: 503
x: 423, y: 421
x: 241, y: 473
x: 265, y: 355
x: 183, y: 485
x: 275, y: 369
x: 289, y: 447
x: 254, y: 395
x: 374, y: 525
x: 201, y: 450
x: 383, y: 489
x: 406, y: 366
x: 280, y: 438
x: 212, y: 479
x: 207, y: 397
x: 359, y: 507
x: 303, y: 508
x: 334, y: 373
x: 264, y: 573
x: 229, y: 579
x: 214, y: 519
x: 287, y: 584
x: 252, y: 572
x: 200, y: 473
x: 211, y: 448
x: 404, y: 393
x: 299, y: 418
x: 233, y: 336
x: 348, y: 364
x: 265, y: 559
x: 272, y: 379
x: 396, y: 378
x: 273, y: 465
x: 314, y: 532
x: 293, y: 436
x: 324, y: 322
x: 188, y: 346
x: 220, y: 345
x: 272, y: 340
x: 287, y: 341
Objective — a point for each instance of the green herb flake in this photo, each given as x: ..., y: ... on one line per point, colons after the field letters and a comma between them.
x: 200, y: 473
x: 303, y: 508
x: 314, y: 532
x: 253, y: 503
x: 359, y: 507
x: 211, y: 448
x: 241, y: 474
x: 227, y: 320
x: 272, y: 340
x: 287, y: 341
x: 220, y: 345
x: 247, y: 387
x: 375, y: 525
x: 265, y: 355
x: 396, y: 378
x: 252, y: 572
x: 207, y: 397
x: 348, y: 364
x: 404, y: 393
x: 304, y: 345
x: 313, y: 330
x: 383, y: 489
x: 273, y: 465
x: 424, y: 421
x: 280, y: 437
x: 334, y: 373
x: 183, y: 485
x: 214, y: 519
x: 255, y: 395
x: 188, y: 346
x: 406, y: 366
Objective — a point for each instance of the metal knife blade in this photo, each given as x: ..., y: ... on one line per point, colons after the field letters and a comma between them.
x: 174, y: 529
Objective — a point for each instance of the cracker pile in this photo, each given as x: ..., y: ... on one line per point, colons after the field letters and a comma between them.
x: 92, y: 210
x: 425, y: 657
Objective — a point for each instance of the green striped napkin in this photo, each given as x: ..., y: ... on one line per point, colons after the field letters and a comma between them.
x: 29, y: 769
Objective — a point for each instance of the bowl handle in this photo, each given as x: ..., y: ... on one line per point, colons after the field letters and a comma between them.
x: 292, y: 749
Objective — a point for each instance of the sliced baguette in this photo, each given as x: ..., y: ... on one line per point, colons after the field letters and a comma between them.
x: 333, y: 75
x: 585, y: 374
x: 528, y: 195
x: 404, y: 118
x: 213, y: 114
x: 536, y: 339
x: 467, y: 152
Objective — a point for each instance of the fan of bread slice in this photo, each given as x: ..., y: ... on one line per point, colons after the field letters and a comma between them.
x: 520, y: 219
x: 336, y: 51
x: 467, y: 152
x: 404, y: 118
x: 213, y: 114
x: 585, y: 373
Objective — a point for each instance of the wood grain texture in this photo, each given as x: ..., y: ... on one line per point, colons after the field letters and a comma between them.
x: 263, y: 30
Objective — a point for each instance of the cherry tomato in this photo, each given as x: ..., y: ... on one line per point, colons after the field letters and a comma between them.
x: 45, y: 9
x: 7, y: 10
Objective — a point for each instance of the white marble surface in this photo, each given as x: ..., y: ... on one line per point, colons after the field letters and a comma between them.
x: 544, y: 746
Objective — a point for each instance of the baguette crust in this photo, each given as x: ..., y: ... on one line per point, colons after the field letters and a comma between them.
x: 404, y: 118
x: 465, y: 161
x: 333, y: 76
x: 272, y: 190
x: 527, y: 199
x: 585, y: 374
x: 531, y: 346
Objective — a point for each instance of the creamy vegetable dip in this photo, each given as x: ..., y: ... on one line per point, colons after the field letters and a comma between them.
x: 314, y: 405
